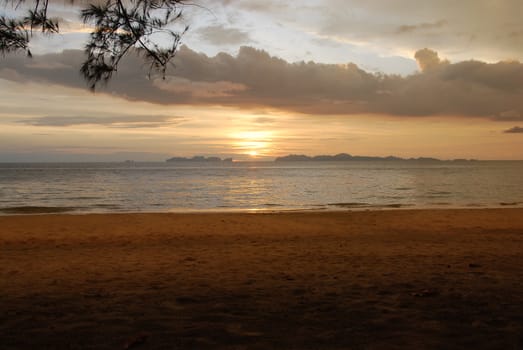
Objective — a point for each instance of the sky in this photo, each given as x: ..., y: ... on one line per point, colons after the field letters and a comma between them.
x: 255, y: 79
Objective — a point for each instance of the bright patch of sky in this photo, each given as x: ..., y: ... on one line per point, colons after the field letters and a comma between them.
x: 469, y: 109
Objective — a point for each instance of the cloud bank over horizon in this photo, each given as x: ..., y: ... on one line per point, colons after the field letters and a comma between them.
x: 514, y: 130
x: 253, y: 78
x: 125, y: 122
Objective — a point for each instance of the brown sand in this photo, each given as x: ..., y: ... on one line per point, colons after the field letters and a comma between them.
x: 419, y: 279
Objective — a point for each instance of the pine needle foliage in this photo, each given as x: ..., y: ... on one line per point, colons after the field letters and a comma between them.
x: 119, y: 27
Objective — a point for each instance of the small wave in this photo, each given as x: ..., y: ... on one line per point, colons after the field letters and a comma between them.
x: 107, y: 206
x: 474, y: 205
x: 392, y: 205
x: 358, y: 205
x: 35, y: 210
x: 403, y: 188
x: 394, y: 197
x: 396, y: 205
x: 85, y: 198
x: 509, y: 203
x: 349, y: 205
x: 435, y: 196
x: 273, y: 205
x: 440, y: 193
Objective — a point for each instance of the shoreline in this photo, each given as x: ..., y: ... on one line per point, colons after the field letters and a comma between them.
x: 342, y: 207
x: 387, y: 279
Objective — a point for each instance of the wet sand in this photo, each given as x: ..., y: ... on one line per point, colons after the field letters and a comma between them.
x: 400, y: 279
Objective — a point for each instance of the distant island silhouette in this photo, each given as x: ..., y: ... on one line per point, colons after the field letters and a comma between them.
x: 341, y: 157
x: 199, y: 159
x: 348, y: 157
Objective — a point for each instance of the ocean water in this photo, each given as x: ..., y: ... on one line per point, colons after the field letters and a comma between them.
x: 165, y: 187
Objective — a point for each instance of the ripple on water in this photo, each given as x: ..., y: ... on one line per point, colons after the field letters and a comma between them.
x: 29, y: 209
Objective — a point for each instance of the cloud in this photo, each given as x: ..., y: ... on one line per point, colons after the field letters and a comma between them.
x: 253, y: 78
x: 265, y: 120
x: 221, y: 35
x: 468, y: 27
x: 509, y: 116
x: 145, y: 121
x: 514, y: 130
x: 200, y: 89
x: 421, y: 27
x: 428, y: 59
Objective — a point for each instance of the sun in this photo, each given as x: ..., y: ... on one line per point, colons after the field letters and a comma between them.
x: 253, y: 143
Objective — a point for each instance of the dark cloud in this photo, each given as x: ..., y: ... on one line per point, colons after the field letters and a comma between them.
x: 253, y: 78
x: 428, y: 59
x: 421, y: 27
x: 146, y: 121
x: 514, y: 130
x: 221, y: 35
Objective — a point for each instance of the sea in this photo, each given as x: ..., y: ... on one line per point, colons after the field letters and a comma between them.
x: 33, y: 188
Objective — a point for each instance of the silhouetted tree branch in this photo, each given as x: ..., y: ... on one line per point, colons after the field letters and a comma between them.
x: 119, y: 27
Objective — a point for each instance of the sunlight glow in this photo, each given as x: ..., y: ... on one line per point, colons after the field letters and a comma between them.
x: 252, y: 148
x: 253, y: 143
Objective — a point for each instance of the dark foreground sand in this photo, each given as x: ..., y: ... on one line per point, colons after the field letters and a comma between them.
x: 445, y: 279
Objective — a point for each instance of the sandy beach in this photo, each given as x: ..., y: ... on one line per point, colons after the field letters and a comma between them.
x: 399, y: 279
